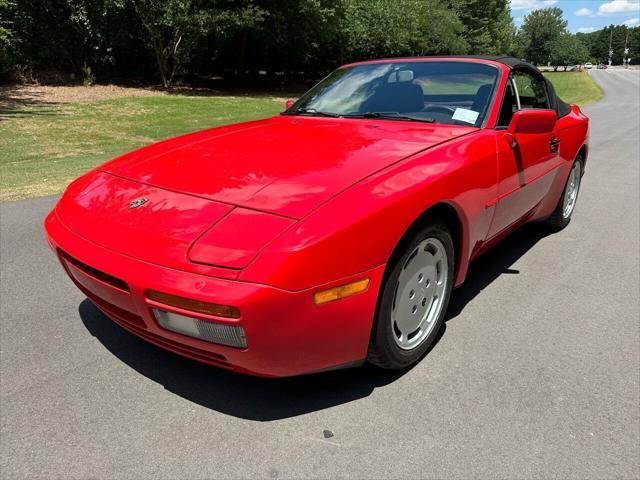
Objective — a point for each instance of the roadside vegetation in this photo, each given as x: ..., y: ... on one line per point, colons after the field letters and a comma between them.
x: 575, y: 87
x: 167, y: 42
x: 178, y: 50
x: 44, y: 145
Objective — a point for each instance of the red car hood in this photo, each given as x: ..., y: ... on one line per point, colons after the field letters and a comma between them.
x: 285, y: 165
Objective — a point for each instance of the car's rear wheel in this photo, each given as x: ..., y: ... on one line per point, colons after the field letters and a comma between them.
x: 414, y: 299
x: 561, y: 216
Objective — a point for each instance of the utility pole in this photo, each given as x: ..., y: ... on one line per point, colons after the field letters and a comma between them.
x: 625, y: 60
x: 610, y: 49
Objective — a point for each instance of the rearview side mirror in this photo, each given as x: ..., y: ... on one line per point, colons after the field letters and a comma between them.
x: 288, y: 103
x: 533, y: 120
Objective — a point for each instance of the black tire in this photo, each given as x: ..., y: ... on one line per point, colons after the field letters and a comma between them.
x: 383, y: 349
x: 557, y: 221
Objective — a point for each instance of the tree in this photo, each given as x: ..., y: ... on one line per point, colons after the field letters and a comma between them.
x: 6, y: 37
x: 489, y: 28
x: 294, y: 35
x: 598, y: 43
x: 539, y: 30
x: 5, y: 25
x: 504, y: 34
x: 201, y: 39
x: 382, y: 28
x: 634, y: 45
x: 166, y: 23
x: 42, y: 34
x: 567, y: 50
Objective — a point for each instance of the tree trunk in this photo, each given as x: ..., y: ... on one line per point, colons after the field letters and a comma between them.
x: 173, y: 50
x: 161, y: 60
x: 162, y: 69
x: 165, y: 54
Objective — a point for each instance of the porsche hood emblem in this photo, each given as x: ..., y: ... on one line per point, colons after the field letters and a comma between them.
x: 138, y: 202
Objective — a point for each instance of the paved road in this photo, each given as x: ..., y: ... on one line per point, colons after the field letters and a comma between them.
x: 536, y: 374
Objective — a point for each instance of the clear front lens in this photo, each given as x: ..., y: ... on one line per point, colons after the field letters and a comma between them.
x: 230, y: 335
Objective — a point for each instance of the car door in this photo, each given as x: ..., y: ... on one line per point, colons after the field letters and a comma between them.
x: 525, y: 161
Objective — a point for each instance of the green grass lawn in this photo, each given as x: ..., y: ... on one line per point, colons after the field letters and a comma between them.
x: 43, y: 147
x: 575, y: 87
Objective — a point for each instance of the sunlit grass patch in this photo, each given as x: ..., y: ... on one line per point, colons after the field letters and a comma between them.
x: 44, y: 147
x: 575, y: 87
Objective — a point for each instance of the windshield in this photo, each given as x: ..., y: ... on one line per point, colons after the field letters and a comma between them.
x: 443, y: 92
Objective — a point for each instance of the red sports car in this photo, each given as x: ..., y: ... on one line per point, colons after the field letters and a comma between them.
x: 331, y: 234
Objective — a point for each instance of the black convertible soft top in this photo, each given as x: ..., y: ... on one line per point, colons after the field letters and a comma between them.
x: 512, y: 62
x: 562, y: 108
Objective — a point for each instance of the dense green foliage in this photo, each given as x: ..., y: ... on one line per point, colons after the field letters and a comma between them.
x: 163, y: 39
x: 598, y: 44
x: 567, y: 50
x: 6, y: 39
x: 372, y: 28
x: 540, y: 29
x: 196, y: 40
x: 489, y: 28
x: 543, y: 38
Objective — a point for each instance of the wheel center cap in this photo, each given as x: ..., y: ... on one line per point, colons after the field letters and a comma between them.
x: 416, y: 298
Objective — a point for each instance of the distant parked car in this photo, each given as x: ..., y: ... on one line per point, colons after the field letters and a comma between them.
x: 588, y: 65
x: 602, y: 66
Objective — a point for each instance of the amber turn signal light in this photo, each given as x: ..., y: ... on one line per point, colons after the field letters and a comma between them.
x: 337, y: 293
x: 225, y: 311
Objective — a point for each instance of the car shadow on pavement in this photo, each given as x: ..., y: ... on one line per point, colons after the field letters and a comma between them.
x: 272, y: 399
x: 243, y: 396
x: 494, y: 263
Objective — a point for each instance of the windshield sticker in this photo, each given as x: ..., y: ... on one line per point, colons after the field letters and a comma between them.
x: 464, y: 115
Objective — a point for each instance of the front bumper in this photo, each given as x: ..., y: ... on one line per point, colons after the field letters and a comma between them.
x: 286, y: 333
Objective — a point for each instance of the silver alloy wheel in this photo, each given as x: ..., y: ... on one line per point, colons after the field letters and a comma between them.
x: 571, y: 192
x: 420, y: 293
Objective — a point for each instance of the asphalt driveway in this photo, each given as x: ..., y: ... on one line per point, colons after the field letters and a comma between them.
x: 537, y: 373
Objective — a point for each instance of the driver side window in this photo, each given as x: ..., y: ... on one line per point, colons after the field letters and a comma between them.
x: 531, y: 91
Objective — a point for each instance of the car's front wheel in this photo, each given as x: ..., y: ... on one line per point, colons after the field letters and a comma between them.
x: 414, y: 299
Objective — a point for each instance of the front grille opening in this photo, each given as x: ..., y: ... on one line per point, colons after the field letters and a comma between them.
x: 95, y: 273
x: 114, y: 311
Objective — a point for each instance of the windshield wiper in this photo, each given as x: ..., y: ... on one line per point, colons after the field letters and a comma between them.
x: 391, y: 116
x: 313, y: 111
x: 380, y: 115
